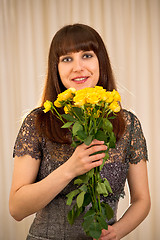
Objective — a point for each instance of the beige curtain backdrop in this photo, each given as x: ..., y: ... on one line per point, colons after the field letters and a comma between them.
x: 131, y: 32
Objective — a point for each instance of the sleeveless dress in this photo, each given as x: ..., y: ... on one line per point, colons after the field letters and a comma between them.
x: 51, y: 221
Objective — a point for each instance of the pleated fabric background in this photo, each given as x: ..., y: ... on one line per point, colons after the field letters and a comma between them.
x: 131, y: 32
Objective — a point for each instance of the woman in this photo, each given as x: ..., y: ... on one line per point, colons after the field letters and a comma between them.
x: 46, y: 164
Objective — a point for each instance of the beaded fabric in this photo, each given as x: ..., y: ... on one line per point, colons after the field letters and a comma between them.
x: 51, y: 221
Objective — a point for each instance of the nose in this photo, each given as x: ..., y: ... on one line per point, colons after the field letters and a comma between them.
x: 77, y: 65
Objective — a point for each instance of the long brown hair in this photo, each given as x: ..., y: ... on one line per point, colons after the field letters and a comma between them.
x: 74, y: 38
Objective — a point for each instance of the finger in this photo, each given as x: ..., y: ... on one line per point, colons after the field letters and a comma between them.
x: 108, y: 234
x: 96, y: 157
x: 96, y: 164
x: 105, y: 232
x: 95, y: 141
x: 96, y: 148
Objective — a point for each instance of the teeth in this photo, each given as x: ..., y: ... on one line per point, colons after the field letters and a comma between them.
x: 79, y: 79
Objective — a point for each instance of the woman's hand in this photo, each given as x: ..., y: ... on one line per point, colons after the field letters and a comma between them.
x: 81, y: 160
x: 109, y: 234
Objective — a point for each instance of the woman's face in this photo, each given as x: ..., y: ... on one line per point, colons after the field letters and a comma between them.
x: 79, y: 69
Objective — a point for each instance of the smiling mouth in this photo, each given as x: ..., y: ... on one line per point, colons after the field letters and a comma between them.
x: 80, y: 79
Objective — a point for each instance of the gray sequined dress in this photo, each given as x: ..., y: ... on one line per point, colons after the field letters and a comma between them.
x: 51, y: 221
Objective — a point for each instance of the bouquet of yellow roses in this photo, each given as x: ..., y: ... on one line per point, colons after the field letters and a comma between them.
x: 87, y: 115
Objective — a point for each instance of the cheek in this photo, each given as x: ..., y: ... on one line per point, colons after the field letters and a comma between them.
x: 62, y: 73
x: 59, y: 70
x: 96, y: 70
x: 64, y: 70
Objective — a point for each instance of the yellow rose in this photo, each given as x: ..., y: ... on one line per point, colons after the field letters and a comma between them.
x: 73, y: 90
x: 57, y: 104
x: 103, y: 96
x: 68, y: 94
x: 79, y: 100
x: 47, y: 105
x: 67, y: 109
x: 109, y: 97
x: 80, y: 97
x: 116, y: 95
x: 114, y: 106
x: 92, y: 98
x: 99, y: 88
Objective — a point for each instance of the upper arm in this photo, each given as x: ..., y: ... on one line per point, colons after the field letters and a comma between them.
x: 25, y: 172
x: 138, y: 181
x: 27, y: 153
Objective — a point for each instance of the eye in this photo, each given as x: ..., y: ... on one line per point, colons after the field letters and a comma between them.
x: 65, y: 59
x: 87, y: 55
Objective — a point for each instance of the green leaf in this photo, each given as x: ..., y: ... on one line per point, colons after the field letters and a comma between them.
x: 103, y: 208
x: 74, y: 213
x: 83, y: 188
x: 76, y: 127
x: 78, y: 181
x: 70, y: 217
x: 71, y: 195
x: 112, y: 140
x: 95, y: 230
x: 88, y: 140
x: 67, y: 125
x: 78, y: 211
x: 101, y: 136
x: 101, y: 188
x: 108, y: 210
x: 107, y: 125
x: 68, y: 117
x: 87, y: 199
x: 80, y: 199
x: 90, y: 213
x: 107, y: 185
x: 81, y: 135
x: 87, y: 222
x: 102, y: 222
x: 84, y: 178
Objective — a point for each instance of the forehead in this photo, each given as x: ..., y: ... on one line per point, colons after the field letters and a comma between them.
x: 76, y: 42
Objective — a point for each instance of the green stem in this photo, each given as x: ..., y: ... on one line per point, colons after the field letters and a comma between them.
x: 76, y: 115
x: 94, y: 192
x: 85, y: 125
x: 92, y: 199
x: 99, y: 203
x: 90, y: 125
x: 103, y: 113
x: 95, y: 127
x: 58, y: 115
x: 98, y: 196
